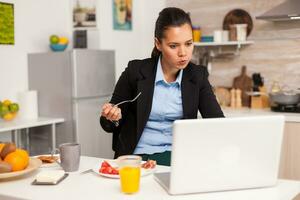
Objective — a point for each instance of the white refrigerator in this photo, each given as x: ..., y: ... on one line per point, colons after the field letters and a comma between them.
x: 74, y: 85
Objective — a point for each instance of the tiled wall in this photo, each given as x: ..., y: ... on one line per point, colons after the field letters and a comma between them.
x: 276, y: 49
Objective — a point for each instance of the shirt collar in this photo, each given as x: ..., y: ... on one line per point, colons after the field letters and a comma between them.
x: 160, y: 75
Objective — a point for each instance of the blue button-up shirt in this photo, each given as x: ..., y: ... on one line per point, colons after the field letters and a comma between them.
x: 166, y: 108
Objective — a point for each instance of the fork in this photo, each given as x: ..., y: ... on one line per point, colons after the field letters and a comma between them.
x: 129, y: 101
x: 126, y: 101
x: 86, y: 171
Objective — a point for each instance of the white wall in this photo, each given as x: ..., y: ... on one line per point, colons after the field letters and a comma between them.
x: 135, y: 44
x: 150, y: 12
x: 36, y: 20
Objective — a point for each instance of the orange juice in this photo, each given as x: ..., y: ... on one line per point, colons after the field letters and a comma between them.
x: 130, y: 179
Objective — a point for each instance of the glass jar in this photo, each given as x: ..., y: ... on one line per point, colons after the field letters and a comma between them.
x: 196, y: 33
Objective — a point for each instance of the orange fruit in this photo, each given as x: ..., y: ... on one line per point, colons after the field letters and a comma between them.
x: 16, y: 160
x: 24, y: 154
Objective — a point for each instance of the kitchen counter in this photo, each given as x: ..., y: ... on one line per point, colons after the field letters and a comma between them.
x: 243, y: 112
x: 92, y: 186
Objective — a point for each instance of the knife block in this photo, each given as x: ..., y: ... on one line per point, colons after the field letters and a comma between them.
x: 261, y: 101
x: 256, y: 102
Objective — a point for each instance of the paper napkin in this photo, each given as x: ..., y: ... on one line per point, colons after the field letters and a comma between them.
x: 50, y: 176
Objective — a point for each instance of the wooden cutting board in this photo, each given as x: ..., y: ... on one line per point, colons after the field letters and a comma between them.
x: 244, y: 83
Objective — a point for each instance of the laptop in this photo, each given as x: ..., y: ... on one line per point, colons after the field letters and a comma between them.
x: 220, y: 154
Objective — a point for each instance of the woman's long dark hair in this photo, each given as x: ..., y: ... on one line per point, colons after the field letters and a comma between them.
x: 169, y: 17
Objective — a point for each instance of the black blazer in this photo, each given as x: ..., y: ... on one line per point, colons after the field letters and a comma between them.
x: 139, y: 76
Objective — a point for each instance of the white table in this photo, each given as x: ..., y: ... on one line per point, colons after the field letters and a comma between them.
x: 17, y: 124
x: 92, y: 186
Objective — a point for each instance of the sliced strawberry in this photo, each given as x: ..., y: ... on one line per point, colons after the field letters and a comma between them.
x: 106, y: 168
x: 102, y: 170
x: 115, y: 171
x: 105, y: 164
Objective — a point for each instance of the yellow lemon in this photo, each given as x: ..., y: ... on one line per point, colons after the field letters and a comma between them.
x: 8, y: 116
x: 63, y: 40
x: 6, y: 102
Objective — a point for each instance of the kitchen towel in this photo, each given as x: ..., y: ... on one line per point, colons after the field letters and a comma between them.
x: 28, y: 105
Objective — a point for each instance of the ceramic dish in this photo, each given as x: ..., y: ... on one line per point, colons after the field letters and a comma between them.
x: 144, y: 172
x: 45, y: 165
x: 34, y: 163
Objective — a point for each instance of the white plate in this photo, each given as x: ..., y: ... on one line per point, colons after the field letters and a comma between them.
x: 144, y: 172
x: 46, y: 165
x: 34, y: 163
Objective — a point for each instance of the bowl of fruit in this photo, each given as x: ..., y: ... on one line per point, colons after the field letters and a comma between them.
x: 8, y: 110
x: 15, y: 161
x: 58, y: 43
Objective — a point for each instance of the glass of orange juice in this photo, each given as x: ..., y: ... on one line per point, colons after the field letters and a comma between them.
x: 130, y: 173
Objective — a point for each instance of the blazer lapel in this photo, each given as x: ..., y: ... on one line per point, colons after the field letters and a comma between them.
x: 144, y: 102
x: 188, y: 92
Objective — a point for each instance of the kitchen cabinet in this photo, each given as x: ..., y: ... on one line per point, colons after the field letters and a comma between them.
x: 290, y: 153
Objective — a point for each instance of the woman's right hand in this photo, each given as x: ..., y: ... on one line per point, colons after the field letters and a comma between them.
x: 111, y: 112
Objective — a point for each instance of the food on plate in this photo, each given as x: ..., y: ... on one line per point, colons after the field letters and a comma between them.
x: 8, y: 148
x: 5, y: 167
x: 24, y: 154
x: 12, y: 158
x: 48, y: 159
x: 150, y: 164
x: 106, y: 168
x: 17, y: 161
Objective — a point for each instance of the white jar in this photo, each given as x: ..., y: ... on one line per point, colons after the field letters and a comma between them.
x: 218, y: 36
x: 225, y: 36
x: 241, y: 32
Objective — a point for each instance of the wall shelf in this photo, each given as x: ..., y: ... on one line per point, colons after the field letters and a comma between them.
x: 237, y: 44
x: 229, y: 43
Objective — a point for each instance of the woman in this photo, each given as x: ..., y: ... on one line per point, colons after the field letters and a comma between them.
x: 171, y: 88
